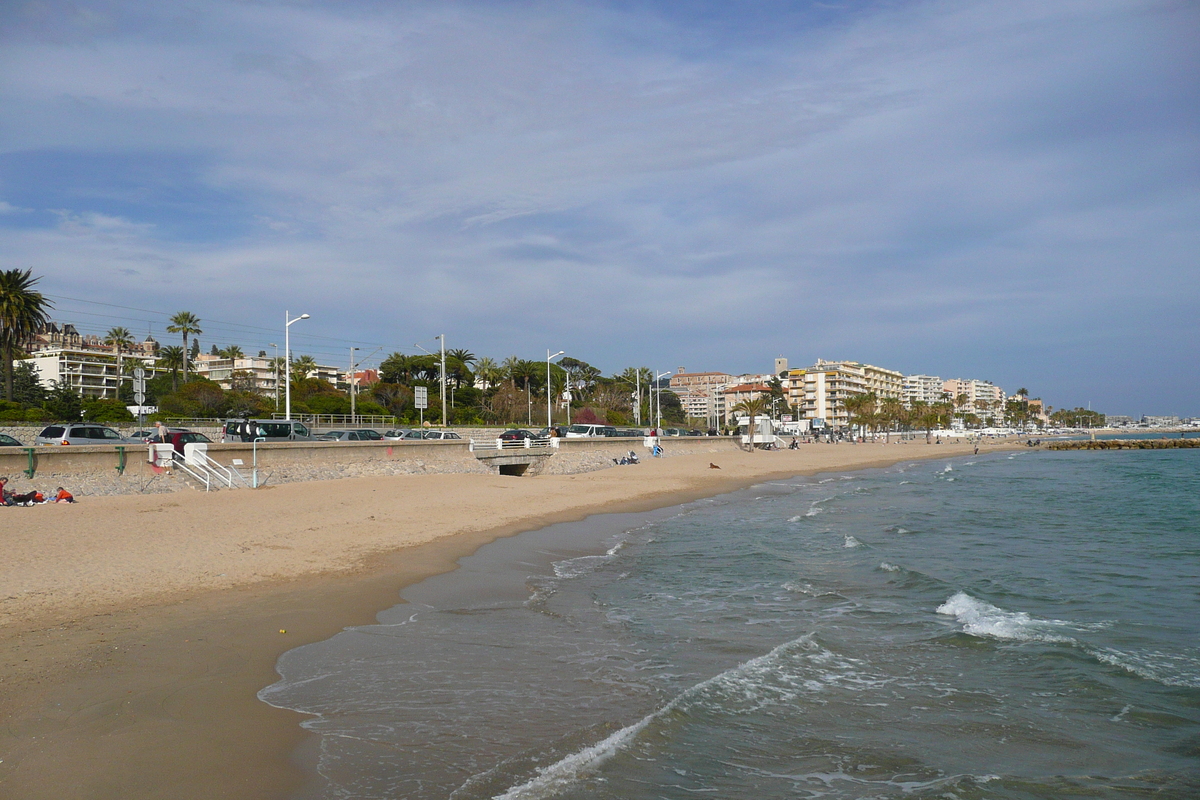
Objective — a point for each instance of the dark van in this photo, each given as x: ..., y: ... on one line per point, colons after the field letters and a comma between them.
x: 270, y: 430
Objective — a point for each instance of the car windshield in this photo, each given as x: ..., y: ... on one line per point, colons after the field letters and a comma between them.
x: 109, y: 433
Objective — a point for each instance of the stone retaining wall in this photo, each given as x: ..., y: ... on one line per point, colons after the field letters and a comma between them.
x: 106, y: 469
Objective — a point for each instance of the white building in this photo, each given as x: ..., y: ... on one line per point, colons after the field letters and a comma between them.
x: 90, y: 372
x: 923, y: 389
x: 982, y: 398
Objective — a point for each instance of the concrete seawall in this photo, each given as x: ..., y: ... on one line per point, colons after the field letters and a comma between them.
x: 107, y: 469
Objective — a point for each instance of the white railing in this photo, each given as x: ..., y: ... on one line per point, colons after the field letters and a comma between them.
x: 195, y: 455
x: 514, y: 444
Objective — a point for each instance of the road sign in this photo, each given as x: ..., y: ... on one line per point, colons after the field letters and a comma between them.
x: 421, y: 396
x: 139, y: 396
x: 139, y: 373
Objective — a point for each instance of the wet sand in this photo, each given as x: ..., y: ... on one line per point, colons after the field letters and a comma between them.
x: 138, y: 630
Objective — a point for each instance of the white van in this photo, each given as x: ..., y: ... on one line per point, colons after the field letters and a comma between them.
x: 582, y: 431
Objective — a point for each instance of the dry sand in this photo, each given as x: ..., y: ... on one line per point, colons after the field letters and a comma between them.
x: 135, y: 631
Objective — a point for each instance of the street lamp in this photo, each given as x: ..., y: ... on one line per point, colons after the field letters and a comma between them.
x: 287, y: 358
x: 276, y: 363
x: 549, y: 422
x: 658, y: 392
x: 353, y: 385
x: 441, y: 336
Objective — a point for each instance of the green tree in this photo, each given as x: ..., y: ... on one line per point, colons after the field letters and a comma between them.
x: 302, y: 367
x: 861, y: 408
x: 100, y: 410
x: 27, y: 386
x: 488, y: 371
x: 185, y: 323
x: 63, y: 402
x: 172, y: 359
x: 120, y: 340
x: 233, y: 351
x: 753, y: 408
x: 22, y: 311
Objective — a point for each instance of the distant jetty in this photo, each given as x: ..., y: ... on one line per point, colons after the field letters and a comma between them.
x: 1124, y: 444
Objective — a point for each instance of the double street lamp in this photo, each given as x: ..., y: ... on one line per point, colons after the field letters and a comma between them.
x: 287, y: 359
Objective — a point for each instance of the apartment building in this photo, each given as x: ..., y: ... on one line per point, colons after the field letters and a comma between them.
x: 926, y: 389
x: 90, y: 372
x: 252, y: 374
x: 982, y: 397
x: 700, y: 393
x: 819, y: 392
x: 736, y: 394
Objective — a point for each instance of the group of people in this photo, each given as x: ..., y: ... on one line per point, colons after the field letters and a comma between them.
x: 32, y: 497
x: 632, y: 458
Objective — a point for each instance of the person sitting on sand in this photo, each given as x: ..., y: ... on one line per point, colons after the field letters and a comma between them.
x: 4, y: 493
x: 63, y: 496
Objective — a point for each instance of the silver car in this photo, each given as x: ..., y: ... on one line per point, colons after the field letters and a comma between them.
x: 441, y: 435
x: 81, y: 433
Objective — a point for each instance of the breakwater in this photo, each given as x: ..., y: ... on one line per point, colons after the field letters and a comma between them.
x: 1124, y: 444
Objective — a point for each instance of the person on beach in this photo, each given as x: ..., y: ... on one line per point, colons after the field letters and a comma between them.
x: 63, y: 496
x: 160, y: 432
x: 4, y: 493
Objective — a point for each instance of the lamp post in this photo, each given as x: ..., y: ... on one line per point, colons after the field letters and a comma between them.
x: 287, y: 358
x: 276, y: 363
x: 353, y: 385
x: 549, y: 422
x: 442, y: 337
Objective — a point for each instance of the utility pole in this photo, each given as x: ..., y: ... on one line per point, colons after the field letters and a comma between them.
x: 442, y: 336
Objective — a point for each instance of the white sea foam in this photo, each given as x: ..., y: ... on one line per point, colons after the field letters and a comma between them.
x: 851, y: 542
x: 886, y: 567
x: 949, y: 468
x: 1169, y: 669
x: 904, y: 482
x: 796, y: 518
x: 760, y: 681
x: 980, y: 618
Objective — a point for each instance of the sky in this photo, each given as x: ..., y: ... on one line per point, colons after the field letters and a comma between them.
x: 1003, y: 191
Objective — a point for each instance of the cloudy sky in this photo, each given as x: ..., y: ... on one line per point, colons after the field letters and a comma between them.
x: 1006, y: 191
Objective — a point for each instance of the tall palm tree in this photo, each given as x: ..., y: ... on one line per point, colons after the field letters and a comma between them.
x: 488, y: 371
x: 22, y: 312
x: 862, y: 410
x: 891, y: 413
x: 187, y: 323
x: 753, y: 407
x: 233, y: 351
x: 511, y: 367
x: 171, y: 358
x: 119, y: 339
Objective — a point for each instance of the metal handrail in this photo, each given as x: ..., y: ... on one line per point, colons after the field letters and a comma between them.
x: 203, y: 475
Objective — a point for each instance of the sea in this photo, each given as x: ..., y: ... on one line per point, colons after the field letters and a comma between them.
x: 1011, y: 625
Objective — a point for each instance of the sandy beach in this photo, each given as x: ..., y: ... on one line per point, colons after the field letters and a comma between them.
x: 135, y: 631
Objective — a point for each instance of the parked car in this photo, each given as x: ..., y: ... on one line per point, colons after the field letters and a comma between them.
x: 8, y: 441
x: 581, y: 430
x: 369, y: 434
x: 339, y: 436
x: 404, y: 435
x: 630, y: 433
x: 81, y: 433
x: 443, y: 435
x: 271, y: 430
x: 178, y: 439
x: 517, y: 435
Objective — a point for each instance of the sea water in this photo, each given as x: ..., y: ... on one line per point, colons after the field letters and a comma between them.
x: 1013, y: 625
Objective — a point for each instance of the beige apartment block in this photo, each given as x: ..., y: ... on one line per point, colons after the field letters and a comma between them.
x: 820, y: 391
x: 982, y: 397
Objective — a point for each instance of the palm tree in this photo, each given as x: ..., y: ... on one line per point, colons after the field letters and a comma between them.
x: 22, y: 312
x: 172, y: 358
x: 302, y: 366
x: 187, y: 323
x: 861, y: 408
x: 119, y: 339
x: 233, y: 351
x: 511, y: 367
x: 488, y: 371
x: 753, y: 407
x: 891, y: 413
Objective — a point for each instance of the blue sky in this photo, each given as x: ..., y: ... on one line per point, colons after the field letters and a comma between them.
x: 1006, y: 191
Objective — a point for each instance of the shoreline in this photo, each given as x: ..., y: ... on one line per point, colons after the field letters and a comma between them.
x: 154, y: 693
